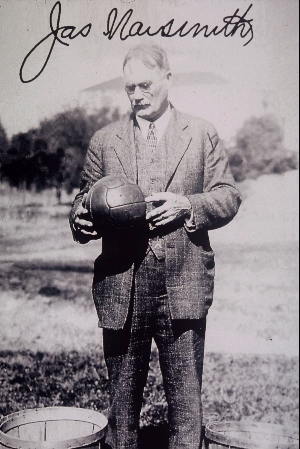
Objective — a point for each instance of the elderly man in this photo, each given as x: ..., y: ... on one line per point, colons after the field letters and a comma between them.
x: 157, y: 283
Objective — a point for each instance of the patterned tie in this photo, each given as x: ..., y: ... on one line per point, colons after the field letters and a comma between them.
x: 156, y: 244
x: 152, y: 137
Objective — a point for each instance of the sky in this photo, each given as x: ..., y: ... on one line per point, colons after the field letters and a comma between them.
x: 269, y: 62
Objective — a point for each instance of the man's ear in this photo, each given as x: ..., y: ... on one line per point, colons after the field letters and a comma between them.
x: 170, y: 79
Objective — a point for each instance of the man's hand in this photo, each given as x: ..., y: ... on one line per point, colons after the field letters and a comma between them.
x: 168, y: 207
x: 81, y: 223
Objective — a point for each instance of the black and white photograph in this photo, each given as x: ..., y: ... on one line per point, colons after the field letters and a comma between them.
x: 149, y: 233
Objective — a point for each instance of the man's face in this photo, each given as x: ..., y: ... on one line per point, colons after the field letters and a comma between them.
x: 152, y: 104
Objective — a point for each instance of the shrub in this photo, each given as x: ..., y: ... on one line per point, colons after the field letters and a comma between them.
x: 260, y: 150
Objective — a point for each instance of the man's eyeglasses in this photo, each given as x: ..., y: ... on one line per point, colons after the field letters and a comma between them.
x: 144, y: 87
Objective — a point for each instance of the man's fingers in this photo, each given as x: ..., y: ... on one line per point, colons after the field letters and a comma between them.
x: 88, y: 232
x: 170, y: 207
x: 157, y: 211
x: 163, y: 222
x: 164, y: 215
x: 83, y: 223
x: 167, y: 216
x: 81, y: 210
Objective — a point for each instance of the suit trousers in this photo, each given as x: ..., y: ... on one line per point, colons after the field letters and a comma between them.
x: 127, y: 353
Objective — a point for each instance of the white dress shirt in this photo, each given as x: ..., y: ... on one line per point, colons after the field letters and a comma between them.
x: 160, y: 124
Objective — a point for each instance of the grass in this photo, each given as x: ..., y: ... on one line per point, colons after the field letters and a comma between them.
x: 260, y: 388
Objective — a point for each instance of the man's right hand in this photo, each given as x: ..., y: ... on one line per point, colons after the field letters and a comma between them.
x: 82, y: 224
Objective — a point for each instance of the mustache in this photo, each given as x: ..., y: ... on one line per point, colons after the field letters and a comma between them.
x: 137, y: 103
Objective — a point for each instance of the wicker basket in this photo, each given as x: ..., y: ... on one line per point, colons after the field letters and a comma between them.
x: 245, y: 435
x: 53, y: 428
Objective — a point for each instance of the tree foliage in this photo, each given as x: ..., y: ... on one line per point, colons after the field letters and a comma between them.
x: 52, y: 155
x: 3, y: 146
x: 3, y: 140
x: 74, y: 127
x: 260, y: 150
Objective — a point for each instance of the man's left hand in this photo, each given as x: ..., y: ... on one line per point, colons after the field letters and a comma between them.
x: 168, y: 207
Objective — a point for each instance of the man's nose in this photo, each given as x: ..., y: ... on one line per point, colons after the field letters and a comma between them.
x: 137, y: 94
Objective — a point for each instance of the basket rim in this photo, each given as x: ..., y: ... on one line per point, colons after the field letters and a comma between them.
x: 52, y: 414
x: 213, y: 428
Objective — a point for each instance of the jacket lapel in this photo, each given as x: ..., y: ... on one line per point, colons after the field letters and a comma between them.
x: 124, y: 148
x: 179, y: 143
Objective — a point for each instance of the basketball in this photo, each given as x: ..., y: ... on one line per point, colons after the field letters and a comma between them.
x: 115, y: 203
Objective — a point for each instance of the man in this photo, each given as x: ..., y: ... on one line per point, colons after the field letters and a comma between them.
x: 157, y: 283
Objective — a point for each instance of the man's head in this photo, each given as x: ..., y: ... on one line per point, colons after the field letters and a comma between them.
x: 148, y: 79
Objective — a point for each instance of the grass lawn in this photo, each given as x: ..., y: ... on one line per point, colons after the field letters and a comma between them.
x: 258, y: 388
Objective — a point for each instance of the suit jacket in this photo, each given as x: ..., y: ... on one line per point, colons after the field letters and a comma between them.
x: 197, y: 167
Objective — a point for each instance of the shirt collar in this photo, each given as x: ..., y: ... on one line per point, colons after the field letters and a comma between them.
x: 160, y: 124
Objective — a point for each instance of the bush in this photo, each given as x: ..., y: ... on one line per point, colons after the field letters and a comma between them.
x: 259, y: 149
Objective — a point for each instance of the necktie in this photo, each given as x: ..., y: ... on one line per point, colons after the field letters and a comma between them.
x: 152, y: 137
x: 157, y: 244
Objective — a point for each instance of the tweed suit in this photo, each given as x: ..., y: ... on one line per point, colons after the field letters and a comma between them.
x: 138, y: 297
x: 197, y: 167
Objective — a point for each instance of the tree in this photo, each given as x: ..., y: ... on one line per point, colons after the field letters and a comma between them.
x: 74, y: 127
x: 72, y: 131
x: 260, y: 138
x: 52, y: 155
x: 260, y: 150
x: 3, y: 146
x: 3, y: 141
x: 14, y: 165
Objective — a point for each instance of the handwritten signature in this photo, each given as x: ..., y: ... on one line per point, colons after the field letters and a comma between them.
x: 59, y: 33
x: 231, y: 25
